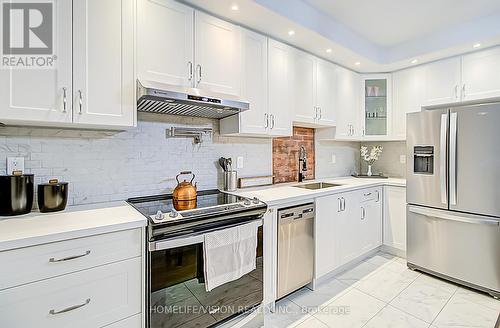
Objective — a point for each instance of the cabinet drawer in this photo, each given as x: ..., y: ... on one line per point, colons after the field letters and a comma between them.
x: 35, y: 263
x: 132, y: 322
x: 88, y: 298
x: 370, y: 195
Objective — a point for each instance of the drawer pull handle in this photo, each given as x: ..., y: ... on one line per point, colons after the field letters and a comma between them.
x: 52, y: 260
x: 71, y: 308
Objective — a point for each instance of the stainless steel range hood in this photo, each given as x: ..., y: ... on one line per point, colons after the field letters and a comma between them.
x: 162, y: 98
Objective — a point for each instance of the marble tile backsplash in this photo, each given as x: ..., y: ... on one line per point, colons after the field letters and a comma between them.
x: 107, y: 166
x: 389, y: 163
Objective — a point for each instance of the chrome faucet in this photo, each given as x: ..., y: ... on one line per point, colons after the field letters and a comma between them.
x: 302, y: 163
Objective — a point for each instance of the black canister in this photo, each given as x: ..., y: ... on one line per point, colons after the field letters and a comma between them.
x: 52, y: 196
x: 16, y: 194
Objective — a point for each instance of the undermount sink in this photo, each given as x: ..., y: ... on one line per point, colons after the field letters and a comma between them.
x: 317, y: 185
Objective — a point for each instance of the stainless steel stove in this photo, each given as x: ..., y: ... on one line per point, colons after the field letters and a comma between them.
x: 175, y: 259
x: 213, y: 208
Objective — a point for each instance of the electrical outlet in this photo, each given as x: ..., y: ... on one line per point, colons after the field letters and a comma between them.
x: 402, y: 159
x: 334, y: 159
x: 239, y: 162
x: 15, y: 164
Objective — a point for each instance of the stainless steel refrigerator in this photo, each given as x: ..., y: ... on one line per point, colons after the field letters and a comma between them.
x: 453, y: 194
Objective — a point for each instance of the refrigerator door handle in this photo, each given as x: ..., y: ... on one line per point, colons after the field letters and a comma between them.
x: 453, y: 158
x: 442, y: 157
x: 474, y: 219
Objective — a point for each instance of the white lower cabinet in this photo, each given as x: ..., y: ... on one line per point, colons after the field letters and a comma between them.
x: 89, y: 298
x: 347, y: 226
x: 395, y: 217
x: 328, y: 210
x: 93, y: 281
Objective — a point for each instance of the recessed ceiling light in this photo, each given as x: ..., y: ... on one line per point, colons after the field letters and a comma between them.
x: 291, y: 32
x: 357, y: 63
x: 477, y: 45
x: 329, y: 50
x: 414, y: 61
x: 235, y: 7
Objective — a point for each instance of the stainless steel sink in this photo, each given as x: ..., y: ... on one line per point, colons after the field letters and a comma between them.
x: 317, y: 185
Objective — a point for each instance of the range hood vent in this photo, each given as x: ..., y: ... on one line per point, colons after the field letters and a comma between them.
x: 166, y: 99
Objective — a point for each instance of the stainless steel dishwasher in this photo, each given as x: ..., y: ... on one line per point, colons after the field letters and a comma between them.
x: 295, y: 248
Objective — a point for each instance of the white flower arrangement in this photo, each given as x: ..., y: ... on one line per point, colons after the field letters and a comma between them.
x: 372, y: 156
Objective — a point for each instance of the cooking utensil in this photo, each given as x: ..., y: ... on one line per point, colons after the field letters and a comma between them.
x: 184, y: 195
x: 229, y: 164
x: 17, y: 194
x: 52, y: 196
x: 222, y: 163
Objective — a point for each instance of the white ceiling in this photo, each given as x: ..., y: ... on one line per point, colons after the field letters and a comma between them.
x: 383, y: 35
x: 388, y: 23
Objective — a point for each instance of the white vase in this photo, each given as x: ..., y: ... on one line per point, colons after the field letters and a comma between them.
x: 369, y: 173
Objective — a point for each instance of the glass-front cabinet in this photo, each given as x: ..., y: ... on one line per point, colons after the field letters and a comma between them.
x: 376, y: 105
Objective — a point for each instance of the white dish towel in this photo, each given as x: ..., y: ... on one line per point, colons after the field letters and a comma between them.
x: 229, y: 254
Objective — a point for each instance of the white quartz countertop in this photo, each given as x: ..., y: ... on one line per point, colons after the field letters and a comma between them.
x: 286, y: 192
x: 76, y: 221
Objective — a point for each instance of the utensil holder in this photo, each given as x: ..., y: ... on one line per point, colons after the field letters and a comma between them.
x: 230, y: 180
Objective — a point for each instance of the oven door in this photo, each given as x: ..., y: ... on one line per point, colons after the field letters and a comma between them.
x: 177, y: 295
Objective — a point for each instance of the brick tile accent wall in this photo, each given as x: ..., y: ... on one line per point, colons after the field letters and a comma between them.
x: 286, y: 155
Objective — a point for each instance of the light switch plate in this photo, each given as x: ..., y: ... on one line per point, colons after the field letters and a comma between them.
x: 239, y: 162
x: 334, y: 159
x: 15, y: 164
x: 402, y: 159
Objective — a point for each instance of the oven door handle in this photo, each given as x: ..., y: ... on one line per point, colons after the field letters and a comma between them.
x: 191, y: 239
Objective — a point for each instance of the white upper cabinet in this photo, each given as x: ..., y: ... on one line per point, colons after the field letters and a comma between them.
x: 313, y: 87
x: 408, y: 96
x: 377, y: 106
x: 325, y: 88
x: 103, y: 70
x: 42, y: 95
x: 218, y: 55
x: 255, y: 120
x: 347, y: 103
x: 92, y: 84
x: 442, y: 82
x: 165, y: 42
x: 280, y: 89
x: 480, y: 77
x: 254, y: 86
x: 303, y: 75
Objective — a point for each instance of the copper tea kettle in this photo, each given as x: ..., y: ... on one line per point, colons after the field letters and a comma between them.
x: 184, y: 195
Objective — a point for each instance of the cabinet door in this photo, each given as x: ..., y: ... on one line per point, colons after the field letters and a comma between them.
x: 103, y: 72
x: 254, y: 87
x: 395, y: 217
x: 480, y: 75
x: 349, y: 226
x: 41, y: 95
x: 326, y: 230
x: 408, y: 96
x: 217, y: 54
x: 370, y: 225
x: 279, y: 88
x: 377, y: 105
x: 347, y: 103
x: 442, y: 82
x: 325, y: 86
x: 303, y: 75
x: 165, y: 42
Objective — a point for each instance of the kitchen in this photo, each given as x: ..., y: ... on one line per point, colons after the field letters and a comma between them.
x: 123, y: 120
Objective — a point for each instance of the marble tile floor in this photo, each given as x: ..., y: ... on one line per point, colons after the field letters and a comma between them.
x: 381, y: 292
